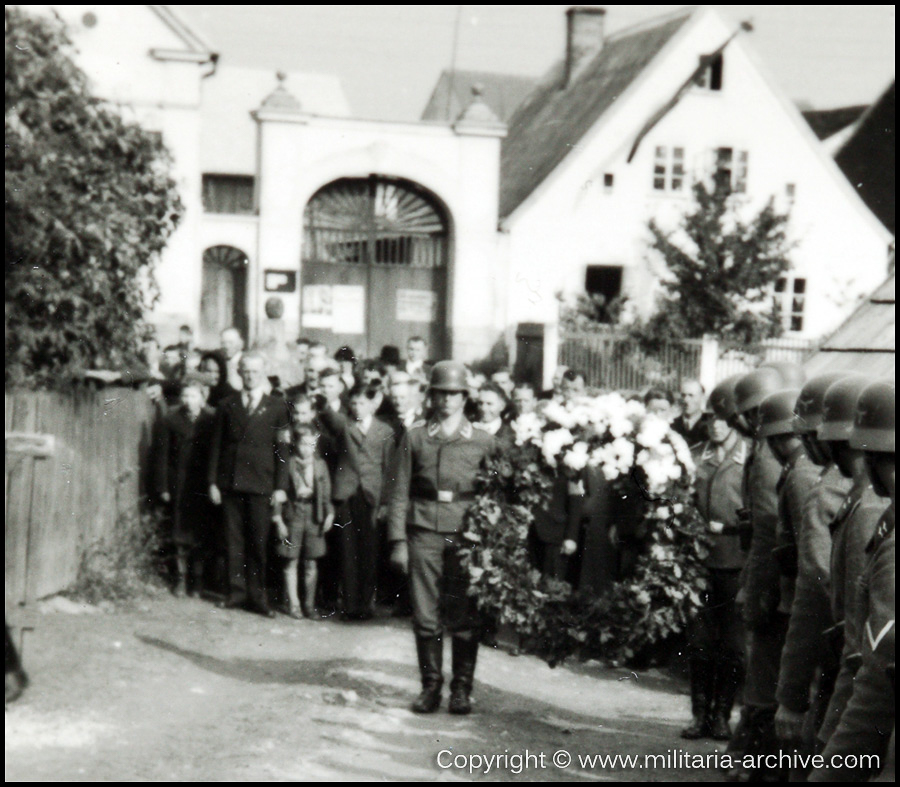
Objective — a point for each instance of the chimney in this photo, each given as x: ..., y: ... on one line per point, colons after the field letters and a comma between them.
x: 584, y: 38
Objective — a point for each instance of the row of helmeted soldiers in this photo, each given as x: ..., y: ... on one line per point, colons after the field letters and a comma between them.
x: 797, y: 486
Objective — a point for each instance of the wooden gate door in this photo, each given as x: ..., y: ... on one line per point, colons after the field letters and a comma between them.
x: 374, y: 266
x: 223, y: 299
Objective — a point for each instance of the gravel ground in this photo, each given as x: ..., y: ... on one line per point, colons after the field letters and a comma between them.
x: 179, y: 690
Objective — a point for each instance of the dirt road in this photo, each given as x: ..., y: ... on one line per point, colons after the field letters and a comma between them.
x: 179, y: 690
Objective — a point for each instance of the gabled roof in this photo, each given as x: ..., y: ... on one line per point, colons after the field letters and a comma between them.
x: 827, y: 122
x: 192, y: 39
x: 501, y: 92
x: 867, y: 158
x: 865, y: 342
x: 553, y: 119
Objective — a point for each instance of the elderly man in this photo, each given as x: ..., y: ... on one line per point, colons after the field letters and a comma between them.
x: 416, y: 357
x: 247, y: 476
x: 693, y: 423
x: 232, y: 350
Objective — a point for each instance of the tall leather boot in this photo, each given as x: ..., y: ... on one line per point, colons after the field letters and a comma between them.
x: 431, y: 657
x: 465, y: 654
x: 725, y: 685
x: 701, y: 700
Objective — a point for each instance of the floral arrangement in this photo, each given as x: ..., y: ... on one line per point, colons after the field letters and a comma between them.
x: 645, y: 463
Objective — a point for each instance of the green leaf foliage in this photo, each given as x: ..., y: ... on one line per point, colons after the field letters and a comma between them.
x: 90, y: 205
x: 721, y: 271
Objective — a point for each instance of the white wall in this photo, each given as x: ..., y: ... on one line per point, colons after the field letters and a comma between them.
x: 299, y: 155
x: 570, y: 222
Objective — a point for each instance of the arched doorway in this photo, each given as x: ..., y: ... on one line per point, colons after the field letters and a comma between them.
x: 375, y: 254
x: 223, y: 299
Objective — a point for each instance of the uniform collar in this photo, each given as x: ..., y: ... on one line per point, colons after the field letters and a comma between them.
x: 464, y: 430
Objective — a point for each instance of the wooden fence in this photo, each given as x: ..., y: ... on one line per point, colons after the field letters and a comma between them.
x: 614, y: 361
x: 57, y: 505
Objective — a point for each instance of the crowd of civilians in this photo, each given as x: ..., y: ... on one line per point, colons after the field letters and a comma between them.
x: 276, y: 484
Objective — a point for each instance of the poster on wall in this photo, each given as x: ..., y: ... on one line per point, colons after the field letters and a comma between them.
x: 416, y: 306
x: 348, y: 308
x: 317, y: 306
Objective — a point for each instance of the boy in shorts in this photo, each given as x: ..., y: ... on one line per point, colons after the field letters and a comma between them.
x: 302, y: 522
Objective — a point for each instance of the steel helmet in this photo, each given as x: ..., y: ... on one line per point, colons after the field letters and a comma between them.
x: 755, y: 386
x: 792, y: 374
x: 776, y: 413
x: 448, y: 376
x: 721, y: 399
x: 873, y: 426
x: 839, y: 407
x: 808, y: 413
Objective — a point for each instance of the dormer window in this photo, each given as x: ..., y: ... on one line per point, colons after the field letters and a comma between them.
x: 710, y: 77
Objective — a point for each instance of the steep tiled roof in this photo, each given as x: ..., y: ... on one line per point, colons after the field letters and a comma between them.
x: 865, y: 342
x: 501, y: 92
x: 867, y: 158
x: 553, y: 119
x: 826, y: 122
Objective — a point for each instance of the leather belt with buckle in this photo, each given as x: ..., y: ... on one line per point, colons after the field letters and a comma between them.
x: 444, y: 496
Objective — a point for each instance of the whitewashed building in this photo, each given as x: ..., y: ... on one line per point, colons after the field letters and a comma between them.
x: 303, y: 219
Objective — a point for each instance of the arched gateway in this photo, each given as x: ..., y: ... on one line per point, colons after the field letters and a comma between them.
x: 375, y: 258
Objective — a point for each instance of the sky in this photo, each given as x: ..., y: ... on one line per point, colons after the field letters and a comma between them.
x: 389, y: 57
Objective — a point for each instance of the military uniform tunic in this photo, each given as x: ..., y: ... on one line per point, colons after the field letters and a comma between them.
x: 852, y: 530
x: 759, y: 588
x: 805, y: 647
x: 434, y: 485
x: 868, y: 721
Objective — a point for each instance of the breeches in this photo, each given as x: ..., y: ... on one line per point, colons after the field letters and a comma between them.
x: 438, y: 586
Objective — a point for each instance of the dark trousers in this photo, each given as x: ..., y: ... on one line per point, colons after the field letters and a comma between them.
x: 717, y: 633
x: 763, y: 662
x: 547, y: 558
x: 247, y: 525
x: 359, y: 555
x: 439, y: 586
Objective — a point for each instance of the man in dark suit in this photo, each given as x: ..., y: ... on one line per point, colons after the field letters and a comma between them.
x: 693, y: 423
x: 366, y: 450
x: 247, y: 476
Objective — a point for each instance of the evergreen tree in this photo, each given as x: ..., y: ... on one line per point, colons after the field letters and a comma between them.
x: 89, y: 207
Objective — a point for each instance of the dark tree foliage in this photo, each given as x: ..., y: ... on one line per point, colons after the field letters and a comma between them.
x: 89, y: 207
x: 722, y: 271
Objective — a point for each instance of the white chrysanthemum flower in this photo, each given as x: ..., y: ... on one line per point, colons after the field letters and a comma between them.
x: 577, y: 457
x: 653, y: 431
x: 557, y: 413
x: 527, y: 427
x: 554, y: 442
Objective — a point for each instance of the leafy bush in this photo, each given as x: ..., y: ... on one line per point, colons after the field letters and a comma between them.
x: 125, y: 564
x: 89, y: 207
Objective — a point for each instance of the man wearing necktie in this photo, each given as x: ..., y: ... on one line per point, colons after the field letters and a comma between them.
x: 247, y: 476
